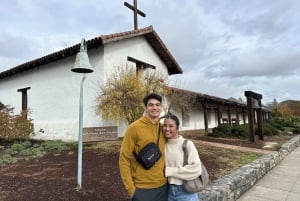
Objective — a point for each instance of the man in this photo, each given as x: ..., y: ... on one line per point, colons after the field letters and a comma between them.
x: 142, y: 184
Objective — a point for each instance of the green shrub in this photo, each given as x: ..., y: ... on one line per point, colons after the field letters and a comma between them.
x: 27, y: 144
x: 235, y: 131
x: 35, y: 145
x: 38, y: 152
x: 9, y: 151
x: 7, y: 158
x: 222, y: 130
x: 17, y: 147
x: 56, y: 145
x: 285, y: 124
x: 240, y: 131
x: 26, y: 152
x: 63, y: 148
x: 269, y: 130
x: 275, y: 124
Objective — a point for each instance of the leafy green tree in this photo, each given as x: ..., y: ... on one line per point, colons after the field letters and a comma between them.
x: 121, y: 97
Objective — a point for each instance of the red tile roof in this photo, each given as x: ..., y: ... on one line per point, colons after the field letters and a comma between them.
x: 148, y: 32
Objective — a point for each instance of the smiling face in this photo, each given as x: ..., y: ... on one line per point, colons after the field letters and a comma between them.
x: 170, y: 129
x: 153, y: 108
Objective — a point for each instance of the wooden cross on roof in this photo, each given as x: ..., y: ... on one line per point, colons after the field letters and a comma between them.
x: 135, y: 12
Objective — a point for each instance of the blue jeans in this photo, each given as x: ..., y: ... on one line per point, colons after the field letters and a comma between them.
x: 178, y: 193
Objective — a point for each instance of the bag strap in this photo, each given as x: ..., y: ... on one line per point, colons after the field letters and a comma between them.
x: 185, y: 152
x: 158, y: 134
x: 204, y: 175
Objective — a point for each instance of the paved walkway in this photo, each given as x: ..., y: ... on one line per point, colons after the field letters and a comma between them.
x: 282, y: 183
x: 227, y: 146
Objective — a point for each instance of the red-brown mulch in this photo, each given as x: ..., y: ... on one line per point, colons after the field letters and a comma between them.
x: 54, y: 177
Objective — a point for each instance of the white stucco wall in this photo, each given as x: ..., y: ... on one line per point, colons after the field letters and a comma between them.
x: 53, y: 98
x: 55, y: 91
x: 196, y: 117
x: 138, y: 48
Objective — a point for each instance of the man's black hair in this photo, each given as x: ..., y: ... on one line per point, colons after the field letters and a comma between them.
x: 152, y: 96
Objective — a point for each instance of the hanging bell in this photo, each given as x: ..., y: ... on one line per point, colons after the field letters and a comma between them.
x: 82, y: 63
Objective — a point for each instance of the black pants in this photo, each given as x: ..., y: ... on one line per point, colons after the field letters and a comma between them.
x: 154, y: 194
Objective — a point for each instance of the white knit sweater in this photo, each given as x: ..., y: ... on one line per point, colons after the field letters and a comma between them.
x: 174, y: 161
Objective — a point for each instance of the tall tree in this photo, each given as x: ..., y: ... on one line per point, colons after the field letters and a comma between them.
x: 180, y: 100
x: 289, y: 108
x: 121, y: 97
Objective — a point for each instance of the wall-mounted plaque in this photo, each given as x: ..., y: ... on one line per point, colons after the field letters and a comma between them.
x: 92, y: 134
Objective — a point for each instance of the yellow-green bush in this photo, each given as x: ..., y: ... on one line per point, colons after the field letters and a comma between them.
x: 15, y: 127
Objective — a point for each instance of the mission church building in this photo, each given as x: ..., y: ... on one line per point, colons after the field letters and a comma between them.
x: 51, y: 91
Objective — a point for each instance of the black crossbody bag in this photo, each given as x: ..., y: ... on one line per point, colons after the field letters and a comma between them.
x: 149, y: 154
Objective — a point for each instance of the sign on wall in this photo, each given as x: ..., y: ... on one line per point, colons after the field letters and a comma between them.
x: 92, y: 134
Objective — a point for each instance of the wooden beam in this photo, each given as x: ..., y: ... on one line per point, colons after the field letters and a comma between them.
x: 140, y: 64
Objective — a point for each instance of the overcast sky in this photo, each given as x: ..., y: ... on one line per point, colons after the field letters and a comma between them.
x: 224, y: 47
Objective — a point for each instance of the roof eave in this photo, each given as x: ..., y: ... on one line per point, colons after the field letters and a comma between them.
x: 148, y: 32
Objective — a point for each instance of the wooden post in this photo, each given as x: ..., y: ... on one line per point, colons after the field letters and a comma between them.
x: 260, y: 122
x: 24, y: 100
x: 204, y: 106
x: 237, y: 115
x: 244, y: 116
x: 229, y: 115
x: 253, y: 97
x: 250, y: 119
x: 218, y: 114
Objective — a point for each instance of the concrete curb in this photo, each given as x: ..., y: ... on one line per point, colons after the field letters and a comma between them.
x: 232, y: 186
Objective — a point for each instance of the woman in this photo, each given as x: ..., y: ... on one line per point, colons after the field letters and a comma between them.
x: 175, y: 171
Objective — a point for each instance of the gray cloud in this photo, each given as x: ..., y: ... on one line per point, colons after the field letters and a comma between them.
x: 263, y: 62
x: 224, y: 47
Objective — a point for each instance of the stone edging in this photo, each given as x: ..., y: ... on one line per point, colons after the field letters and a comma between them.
x: 232, y: 186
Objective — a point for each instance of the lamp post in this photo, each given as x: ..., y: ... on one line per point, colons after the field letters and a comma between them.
x: 82, y: 65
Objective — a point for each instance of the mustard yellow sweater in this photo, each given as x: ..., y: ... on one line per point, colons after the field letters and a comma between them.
x: 137, y: 135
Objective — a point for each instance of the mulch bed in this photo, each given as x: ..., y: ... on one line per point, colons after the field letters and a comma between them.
x: 54, y: 176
